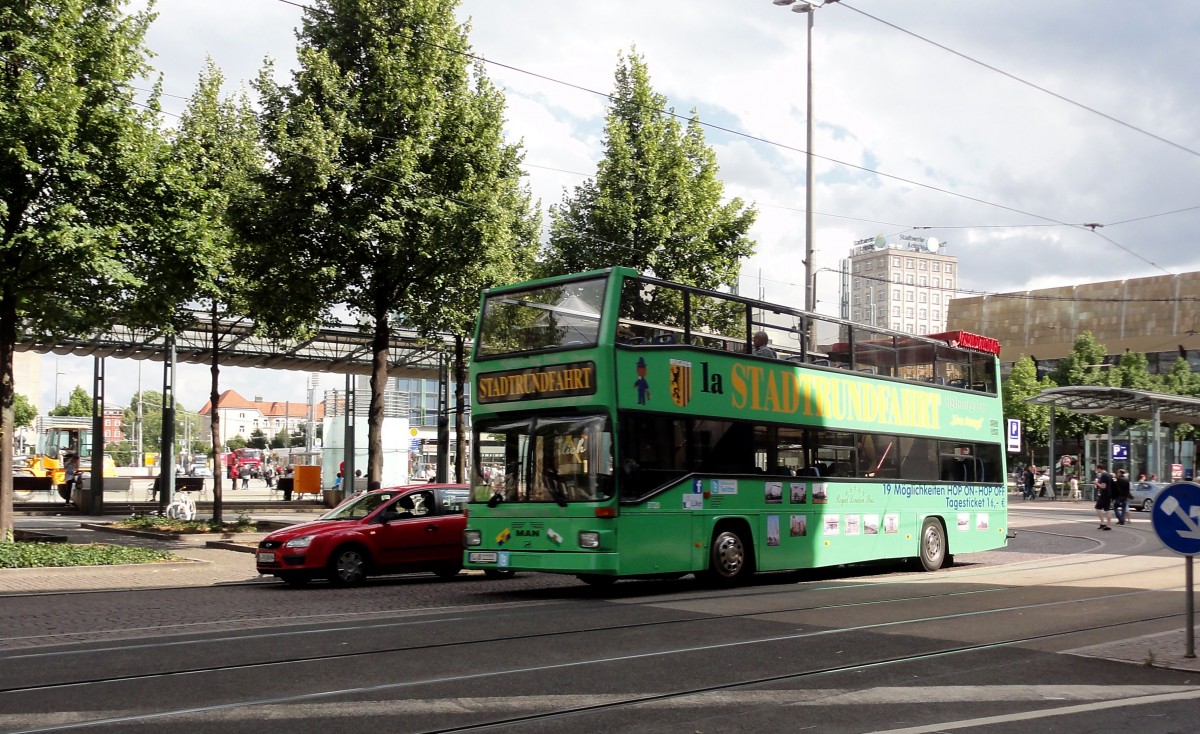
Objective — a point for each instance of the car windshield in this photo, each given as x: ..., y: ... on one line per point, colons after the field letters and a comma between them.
x: 359, y: 508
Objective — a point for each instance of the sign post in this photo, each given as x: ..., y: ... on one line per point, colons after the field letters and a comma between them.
x: 1176, y: 520
x: 1014, y: 436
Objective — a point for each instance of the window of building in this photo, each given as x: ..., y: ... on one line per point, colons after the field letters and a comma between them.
x: 895, y: 326
x: 921, y: 297
x: 895, y: 262
x: 908, y: 263
x: 909, y: 328
x: 895, y: 277
x: 868, y: 265
x: 949, y: 268
x: 895, y: 294
x: 921, y: 314
x: 937, y: 282
x: 923, y: 281
x: 895, y: 310
x: 921, y: 265
x: 880, y: 294
x: 949, y: 282
x: 857, y: 315
x: 882, y: 263
x: 909, y: 279
x: 867, y: 296
x: 908, y: 312
x: 883, y: 314
x: 935, y: 298
x: 908, y: 296
x: 857, y: 299
x: 857, y: 267
x: 935, y: 314
x: 937, y: 267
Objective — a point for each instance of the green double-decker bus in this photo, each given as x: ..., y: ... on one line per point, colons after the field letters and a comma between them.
x: 628, y: 427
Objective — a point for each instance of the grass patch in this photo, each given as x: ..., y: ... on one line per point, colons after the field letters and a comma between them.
x: 44, y: 555
x: 242, y: 524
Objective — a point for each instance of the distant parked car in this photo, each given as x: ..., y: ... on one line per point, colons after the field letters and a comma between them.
x: 1145, y: 494
x: 199, y: 470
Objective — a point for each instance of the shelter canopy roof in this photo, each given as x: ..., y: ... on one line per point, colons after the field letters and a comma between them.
x: 1121, y: 402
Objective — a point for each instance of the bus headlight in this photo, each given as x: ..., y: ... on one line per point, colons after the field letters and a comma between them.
x: 472, y: 537
x: 589, y: 539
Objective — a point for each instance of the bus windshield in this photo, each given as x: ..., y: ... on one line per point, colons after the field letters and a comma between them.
x: 559, y: 459
x: 565, y: 315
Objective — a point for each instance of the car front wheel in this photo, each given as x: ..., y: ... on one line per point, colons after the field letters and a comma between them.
x: 348, y: 566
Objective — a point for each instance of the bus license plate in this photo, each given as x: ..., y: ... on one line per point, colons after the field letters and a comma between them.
x: 481, y: 557
x: 266, y: 557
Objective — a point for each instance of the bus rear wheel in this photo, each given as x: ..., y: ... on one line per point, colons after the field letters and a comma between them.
x: 728, y: 561
x: 932, y: 550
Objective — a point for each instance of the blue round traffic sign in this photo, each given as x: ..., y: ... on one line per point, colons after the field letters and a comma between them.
x: 1176, y: 517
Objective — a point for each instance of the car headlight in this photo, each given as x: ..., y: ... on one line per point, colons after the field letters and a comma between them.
x: 589, y: 539
x: 301, y: 542
x: 472, y: 537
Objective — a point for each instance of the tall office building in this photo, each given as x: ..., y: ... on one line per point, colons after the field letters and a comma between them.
x: 905, y: 284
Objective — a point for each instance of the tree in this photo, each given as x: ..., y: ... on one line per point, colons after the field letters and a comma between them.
x: 24, y: 412
x: 152, y: 420
x: 655, y: 204
x: 79, y: 404
x: 377, y: 188
x: 218, y: 142
x: 236, y: 442
x: 93, y: 210
x: 1084, y: 366
x: 1022, y: 383
x: 258, y: 439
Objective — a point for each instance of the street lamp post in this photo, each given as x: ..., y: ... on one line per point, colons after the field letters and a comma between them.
x: 810, y: 285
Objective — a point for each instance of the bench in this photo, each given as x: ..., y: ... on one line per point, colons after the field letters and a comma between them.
x: 182, y: 484
x: 26, y: 486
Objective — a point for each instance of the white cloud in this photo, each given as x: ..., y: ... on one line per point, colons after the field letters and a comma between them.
x: 883, y: 100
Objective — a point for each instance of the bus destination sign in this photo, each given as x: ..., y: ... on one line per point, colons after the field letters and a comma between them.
x: 555, y: 381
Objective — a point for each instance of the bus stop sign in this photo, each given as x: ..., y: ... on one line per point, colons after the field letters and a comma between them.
x: 1176, y: 517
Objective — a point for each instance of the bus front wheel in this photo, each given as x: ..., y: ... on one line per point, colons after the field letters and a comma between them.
x: 728, y: 561
x: 932, y: 550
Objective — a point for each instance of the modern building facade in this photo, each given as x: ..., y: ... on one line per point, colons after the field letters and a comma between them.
x: 1157, y: 316
x: 906, y: 284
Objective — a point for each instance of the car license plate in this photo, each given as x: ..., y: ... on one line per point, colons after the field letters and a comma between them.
x: 481, y: 557
x: 266, y: 557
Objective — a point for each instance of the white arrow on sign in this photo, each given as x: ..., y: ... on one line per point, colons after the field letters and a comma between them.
x: 1171, y: 506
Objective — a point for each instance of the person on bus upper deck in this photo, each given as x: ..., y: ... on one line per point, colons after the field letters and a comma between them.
x: 762, y: 346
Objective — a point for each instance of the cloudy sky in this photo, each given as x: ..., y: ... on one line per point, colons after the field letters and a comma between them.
x: 997, y: 128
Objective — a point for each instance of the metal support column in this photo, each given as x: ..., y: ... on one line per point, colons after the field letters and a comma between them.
x: 348, y: 460
x: 166, y: 472
x: 93, y: 499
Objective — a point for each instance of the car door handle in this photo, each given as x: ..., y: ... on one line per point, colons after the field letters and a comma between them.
x: 431, y: 528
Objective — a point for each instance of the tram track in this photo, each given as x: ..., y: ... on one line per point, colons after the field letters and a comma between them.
x: 629, y: 701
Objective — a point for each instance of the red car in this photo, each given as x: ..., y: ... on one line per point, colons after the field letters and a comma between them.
x: 405, y: 529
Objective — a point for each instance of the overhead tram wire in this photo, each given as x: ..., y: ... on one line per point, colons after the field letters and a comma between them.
x: 1025, y: 82
x: 730, y: 131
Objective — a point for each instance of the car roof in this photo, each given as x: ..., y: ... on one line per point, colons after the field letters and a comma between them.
x: 422, y: 485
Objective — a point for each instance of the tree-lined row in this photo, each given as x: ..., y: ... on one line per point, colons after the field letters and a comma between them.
x: 378, y: 180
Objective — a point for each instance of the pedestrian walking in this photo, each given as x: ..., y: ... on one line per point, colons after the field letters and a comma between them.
x: 244, y: 473
x: 1122, y: 493
x: 1073, y: 484
x: 1027, y: 480
x: 233, y: 476
x: 1104, y: 493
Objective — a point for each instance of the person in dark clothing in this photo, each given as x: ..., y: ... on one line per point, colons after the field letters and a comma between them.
x: 1104, y: 493
x: 1027, y: 479
x: 1121, y: 496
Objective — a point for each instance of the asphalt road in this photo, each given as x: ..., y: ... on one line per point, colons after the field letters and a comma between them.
x: 1004, y: 641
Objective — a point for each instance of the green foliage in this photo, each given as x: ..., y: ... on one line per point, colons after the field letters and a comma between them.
x: 390, y: 186
x: 235, y: 442
x: 1022, y: 384
x: 186, y: 424
x: 242, y: 524
x: 122, y: 452
x: 1084, y: 366
x: 258, y: 439
x: 46, y: 555
x: 24, y: 411
x: 79, y: 404
x: 95, y: 212
x: 656, y: 203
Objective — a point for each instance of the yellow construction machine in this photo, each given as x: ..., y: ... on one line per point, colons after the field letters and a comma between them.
x: 54, y: 448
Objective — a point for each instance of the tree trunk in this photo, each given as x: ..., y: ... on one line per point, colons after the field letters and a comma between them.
x: 213, y: 396
x: 379, y: 365
x: 460, y: 408
x: 8, y: 341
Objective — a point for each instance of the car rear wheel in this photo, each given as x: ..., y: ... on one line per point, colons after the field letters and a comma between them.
x: 348, y: 566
